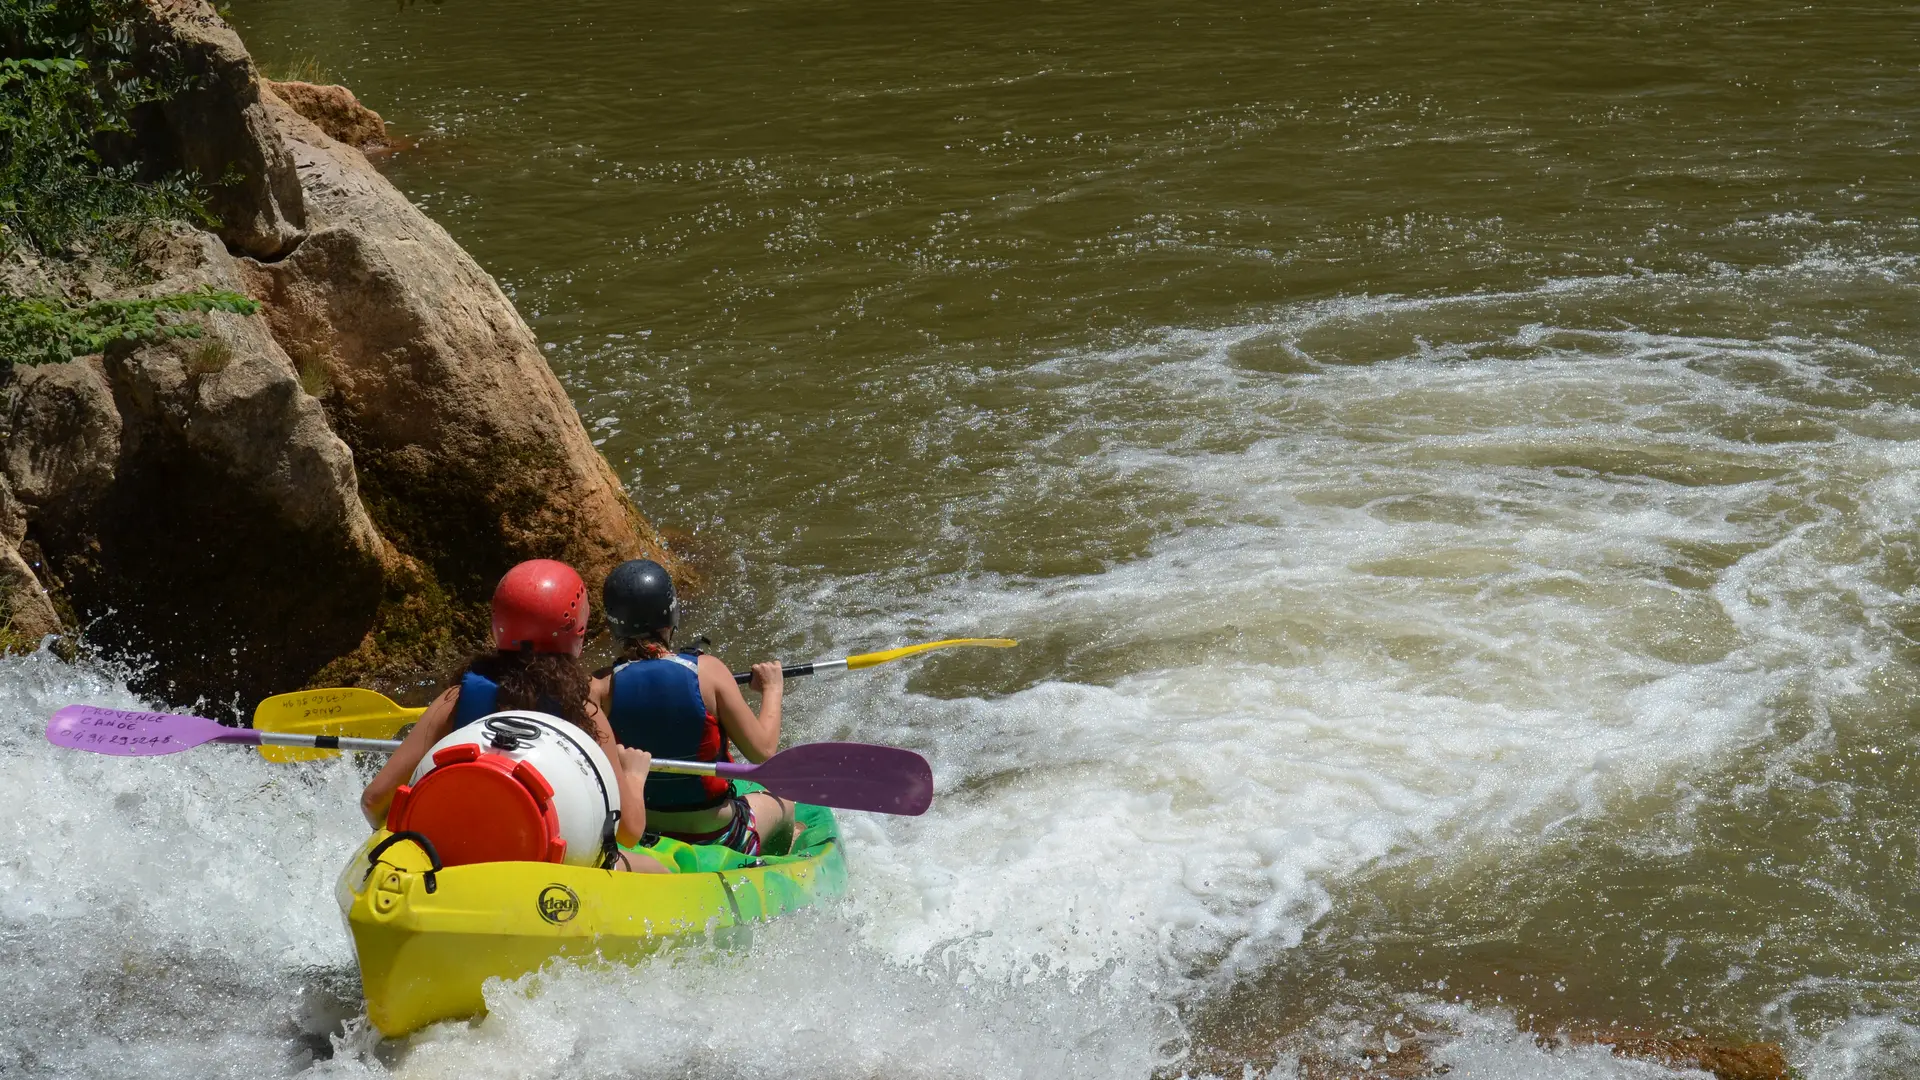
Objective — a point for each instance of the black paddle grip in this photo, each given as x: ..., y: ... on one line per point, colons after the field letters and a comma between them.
x: 745, y: 677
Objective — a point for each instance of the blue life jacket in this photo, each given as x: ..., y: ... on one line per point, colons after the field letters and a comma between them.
x: 656, y: 706
x: 477, y: 695
x: 480, y: 696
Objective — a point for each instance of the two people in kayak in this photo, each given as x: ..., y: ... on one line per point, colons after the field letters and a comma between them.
x: 539, y: 622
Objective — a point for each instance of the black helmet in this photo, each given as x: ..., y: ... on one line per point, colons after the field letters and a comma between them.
x: 638, y: 599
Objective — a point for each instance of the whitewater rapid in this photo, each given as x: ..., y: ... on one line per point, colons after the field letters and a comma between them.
x: 1509, y: 573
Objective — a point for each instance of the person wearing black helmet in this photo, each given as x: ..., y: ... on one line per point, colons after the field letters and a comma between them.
x: 686, y: 705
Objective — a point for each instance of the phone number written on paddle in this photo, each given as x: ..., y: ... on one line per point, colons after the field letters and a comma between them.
x: 101, y: 738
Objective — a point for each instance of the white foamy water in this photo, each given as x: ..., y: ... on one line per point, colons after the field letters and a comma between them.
x: 1436, y: 603
x: 811, y: 999
x: 1444, y: 600
x: 166, y: 917
x: 1865, y: 1046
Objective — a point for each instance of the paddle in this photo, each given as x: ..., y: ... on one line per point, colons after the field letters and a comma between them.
x: 846, y: 776
x: 123, y: 733
x: 352, y: 711
x: 344, y: 711
x: 866, y: 660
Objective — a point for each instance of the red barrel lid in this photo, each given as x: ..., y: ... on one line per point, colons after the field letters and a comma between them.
x: 478, y: 807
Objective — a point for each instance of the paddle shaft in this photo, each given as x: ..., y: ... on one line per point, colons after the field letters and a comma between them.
x: 849, y: 776
x: 815, y: 668
x: 885, y: 656
x: 251, y: 737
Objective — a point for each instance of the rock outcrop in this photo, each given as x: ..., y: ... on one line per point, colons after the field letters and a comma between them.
x: 217, y: 127
x: 192, y: 505
x: 463, y: 438
x: 334, y: 110
x: 327, y: 490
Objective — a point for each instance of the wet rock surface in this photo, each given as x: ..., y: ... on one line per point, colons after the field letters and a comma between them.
x: 1725, y: 1060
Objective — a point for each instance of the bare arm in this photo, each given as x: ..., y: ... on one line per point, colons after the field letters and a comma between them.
x: 757, y: 736
x: 432, y: 726
x: 600, y: 706
x: 632, y: 765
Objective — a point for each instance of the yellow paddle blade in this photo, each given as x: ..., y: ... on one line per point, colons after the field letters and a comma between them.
x: 872, y: 658
x: 345, y: 711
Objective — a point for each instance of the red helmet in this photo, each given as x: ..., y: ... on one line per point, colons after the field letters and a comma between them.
x: 541, y: 605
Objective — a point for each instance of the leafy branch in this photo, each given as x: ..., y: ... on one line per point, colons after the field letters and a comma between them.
x: 70, y: 80
x: 72, y: 180
x: 43, y: 330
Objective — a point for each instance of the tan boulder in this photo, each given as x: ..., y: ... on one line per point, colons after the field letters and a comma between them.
x: 63, y: 438
x: 334, y: 110
x: 325, y: 491
x: 27, y: 614
x: 217, y: 127
x: 469, y: 452
x: 62, y: 448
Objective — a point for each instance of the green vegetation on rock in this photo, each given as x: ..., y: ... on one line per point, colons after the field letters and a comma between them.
x: 41, y: 330
x: 68, y: 88
x: 71, y: 185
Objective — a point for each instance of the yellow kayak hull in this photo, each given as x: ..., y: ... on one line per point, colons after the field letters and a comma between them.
x: 426, y: 950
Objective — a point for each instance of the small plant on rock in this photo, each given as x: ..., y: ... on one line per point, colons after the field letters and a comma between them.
x: 314, y: 378
x: 211, y: 356
x: 42, y: 330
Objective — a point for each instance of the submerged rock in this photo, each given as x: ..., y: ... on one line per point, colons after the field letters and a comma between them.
x: 1725, y: 1060
x: 325, y: 491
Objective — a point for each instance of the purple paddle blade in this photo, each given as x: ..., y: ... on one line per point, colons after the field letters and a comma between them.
x: 848, y: 776
x: 137, y: 734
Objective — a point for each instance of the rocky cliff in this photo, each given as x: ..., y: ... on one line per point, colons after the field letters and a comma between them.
x: 325, y: 491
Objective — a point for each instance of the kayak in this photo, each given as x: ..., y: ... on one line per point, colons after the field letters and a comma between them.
x: 428, y: 938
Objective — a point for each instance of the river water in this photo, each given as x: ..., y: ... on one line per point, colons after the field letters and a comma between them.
x: 1452, y: 469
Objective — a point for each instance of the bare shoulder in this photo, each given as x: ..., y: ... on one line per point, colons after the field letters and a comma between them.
x: 716, y: 679
x: 443, y: 705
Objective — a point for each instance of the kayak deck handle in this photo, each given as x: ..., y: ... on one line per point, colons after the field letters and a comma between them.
x: 426, y: 845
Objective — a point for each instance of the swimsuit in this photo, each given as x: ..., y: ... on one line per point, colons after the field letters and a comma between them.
x: 740, y: 834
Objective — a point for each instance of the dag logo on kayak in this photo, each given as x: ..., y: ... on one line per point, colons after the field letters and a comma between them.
x: 558, y: 903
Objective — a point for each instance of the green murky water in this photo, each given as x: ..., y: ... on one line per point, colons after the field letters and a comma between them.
x: 1453, y: 468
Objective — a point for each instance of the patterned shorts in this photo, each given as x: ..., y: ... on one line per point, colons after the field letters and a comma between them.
x: 740, y: 833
